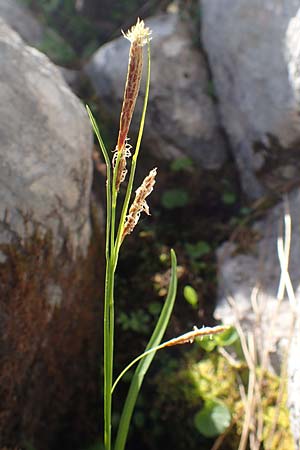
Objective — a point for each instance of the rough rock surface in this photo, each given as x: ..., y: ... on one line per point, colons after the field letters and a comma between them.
x: 48, y: 281
x: 181, y: 118
x: 254, y: 54
x: 240, y: 273
x: 46, y: 141
x: 22, y: 21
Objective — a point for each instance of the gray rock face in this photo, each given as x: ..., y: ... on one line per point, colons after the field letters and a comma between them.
x: 20, y: 19
x: 256, y: 275
x: 181, y: 118
x: 259, y: 267
x: 254, y: 54
x: 45, y: 145
x: 48, y: 291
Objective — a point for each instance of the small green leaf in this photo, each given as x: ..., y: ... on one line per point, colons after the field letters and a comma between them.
x: 228, y: 198
x: 154, y: 308
x: 190, y: 295
x: 195, y: 251
x: 207, y: 343
x: 245, y: 211
x: 174, y: 198
x: 226, y: 338
x: 213, y: 419
x: 183, y: 163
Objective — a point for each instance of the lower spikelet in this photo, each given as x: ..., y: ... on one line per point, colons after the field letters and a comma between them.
x: 122, y: 171
x: 139, y: 204
x: 188, y: 338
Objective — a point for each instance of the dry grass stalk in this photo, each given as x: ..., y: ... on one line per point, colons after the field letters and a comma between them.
x: 188, y: 338
x: 139, y: 204
x: 260, y: 344
x: 283, y: 249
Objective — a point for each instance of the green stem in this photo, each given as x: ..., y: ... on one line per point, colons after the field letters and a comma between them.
x: 109, y: 314
x: 108, y: 353
x: 107, y: 364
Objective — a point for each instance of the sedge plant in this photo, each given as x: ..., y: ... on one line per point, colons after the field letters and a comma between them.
x: 116, y: 232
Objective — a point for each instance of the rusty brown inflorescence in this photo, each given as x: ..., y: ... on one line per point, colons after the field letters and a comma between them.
x: 139, y: 204
x: 138, y: 35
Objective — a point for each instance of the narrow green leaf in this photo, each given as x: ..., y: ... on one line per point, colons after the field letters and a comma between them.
x: 97, y: 133
x: 144, y: 364
x: 108, y: 183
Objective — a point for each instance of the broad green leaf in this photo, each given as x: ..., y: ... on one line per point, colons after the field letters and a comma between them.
x: 213, y: 419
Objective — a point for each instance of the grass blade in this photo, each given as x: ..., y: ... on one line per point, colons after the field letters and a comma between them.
x: 97, y: 133
x: 144, y: 364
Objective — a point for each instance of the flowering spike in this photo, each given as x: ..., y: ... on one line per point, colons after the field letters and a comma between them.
x: 138, y: 33
x: 188, y: 338
x: 122, y: 171
x: 139, y: 204
x: 138, y: 36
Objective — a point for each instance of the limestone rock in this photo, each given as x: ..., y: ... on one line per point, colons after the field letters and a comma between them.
x: 252, y: 279
x: 258, y: 267
x: 46, y: 141
x: 181, y: 118
x: 254, y: 55
x: 48, y: 283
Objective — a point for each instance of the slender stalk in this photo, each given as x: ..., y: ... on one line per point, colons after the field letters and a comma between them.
x: 108, y: 293
x: 107, y: 361
x: 186, y: 338
x: 109, y: 314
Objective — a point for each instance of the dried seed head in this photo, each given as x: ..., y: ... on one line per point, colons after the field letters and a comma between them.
x: 138, y: 36
x: 139, y: 204
x: 188, y: 338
